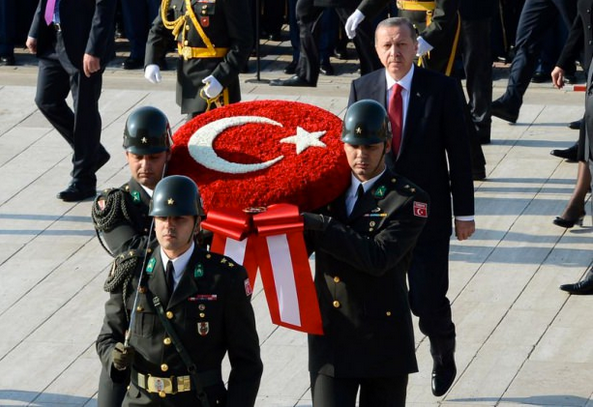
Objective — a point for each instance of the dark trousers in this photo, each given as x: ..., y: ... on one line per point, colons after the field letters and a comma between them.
x: 309, y: 63
x: 328, y: 32
x: 536, y: 18
x: 80, y: 126
x: 138, y: 16
x: 428, y: 279
x: 110, y: 394
x: 8, y: 29
x: 475, y: 42
x: 374, y: 392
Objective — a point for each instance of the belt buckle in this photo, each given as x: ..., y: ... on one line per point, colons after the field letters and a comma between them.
x: 158, y: 384
x: 187, y: 53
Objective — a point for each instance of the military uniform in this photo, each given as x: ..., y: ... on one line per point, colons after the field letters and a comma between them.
x: 214, y: 37
x: 437, y: 22
x: 361, y: 264
x: 211, y: 312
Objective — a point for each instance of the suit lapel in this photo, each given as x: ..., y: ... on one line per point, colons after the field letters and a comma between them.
x: 415, y: 109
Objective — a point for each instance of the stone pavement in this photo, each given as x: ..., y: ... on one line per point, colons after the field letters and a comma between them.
x: 521, y: 341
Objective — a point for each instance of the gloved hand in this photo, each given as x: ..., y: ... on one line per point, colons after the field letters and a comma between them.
x: 212, y: 86
x: 152, y: 73
x: 423, y: 47
x: 352, y: 23
x: 315, y: 222
x: 122, y: 356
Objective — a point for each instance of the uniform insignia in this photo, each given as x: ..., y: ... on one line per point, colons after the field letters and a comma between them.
x: 358, y: 130
x: 201, y: 307
x: 196, y: 298
x: 376, y: 210
x: 170, y: 201
x: 136, y: 196
x: 150, y: 265
x: 380, y: 192
x: 204, y: 20
x: 203, y: 328
x: 144, y: 140
x: 247, y: 287
x: 199, y: 272
x: 420, y: 209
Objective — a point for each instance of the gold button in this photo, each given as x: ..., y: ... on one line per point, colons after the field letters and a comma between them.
x: 142, y: 289
x: 203, y: 12
x: 139, y: 308
x: 388, y: 313
x: 162, y: 394
x: 336, y: 304
x: 201, y: 314
x: 372, y: 223
x: 167, y: 341
x: 149, y: 250
x: 336, y: 279
x: 371, y: 230
x: 169, y: 315
x: 393, y: 180
x: 208, y: 256
x: 187, y: 27
x: 164, y: 367
x: 145, y: 230
x: 185, y: 42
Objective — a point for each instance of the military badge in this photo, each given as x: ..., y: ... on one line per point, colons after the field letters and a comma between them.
x: 150, y: 265
x: 136, y: 196
x: 203, y: 328
x: 199, y: 272
x: 247, y: 287
x: 420, y: 209
x: 380, y: 192
x: 204, y: 20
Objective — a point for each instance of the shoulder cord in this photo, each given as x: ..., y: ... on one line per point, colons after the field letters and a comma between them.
x: 176, y: 25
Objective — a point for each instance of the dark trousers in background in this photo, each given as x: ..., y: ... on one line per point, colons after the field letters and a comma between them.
x: 138, y: 15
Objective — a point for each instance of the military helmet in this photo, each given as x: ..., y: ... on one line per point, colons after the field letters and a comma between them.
x: 147, y: 131
x: 175, y: 196
x: 366, y: 123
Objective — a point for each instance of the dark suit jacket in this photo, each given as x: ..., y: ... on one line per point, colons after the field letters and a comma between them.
x: 435, y: 151
x: 212, y: 315
x: 87, y: 28
x: 229, y: 26
x: 361, y: 263
x: 580, y: 38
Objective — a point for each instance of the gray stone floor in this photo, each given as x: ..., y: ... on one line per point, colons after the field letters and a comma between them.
x: 521, y: 341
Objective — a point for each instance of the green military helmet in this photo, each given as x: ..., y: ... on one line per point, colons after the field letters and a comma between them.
x: 175, y: 196
x: 366, y: 123
x: 147, y: 131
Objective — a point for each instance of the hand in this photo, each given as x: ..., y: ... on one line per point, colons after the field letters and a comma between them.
x: 152, y: 73
x: 122, y: 356
x: 423, y: 47
x: 352, y: 23
x: 212, y: 86
x: 558, y: 76
x: 315, y: 222
x: 90, y: 64
x: 464, y: 229
x: 31, y: 44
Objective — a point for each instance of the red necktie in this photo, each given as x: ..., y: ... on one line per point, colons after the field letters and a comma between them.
x: 49, y: 12
x: 395, y: 112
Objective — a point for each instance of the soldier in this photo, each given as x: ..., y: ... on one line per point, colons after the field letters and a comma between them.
x: 437, y: 22
x: 121, y: 215
x: 363, y: 243
x: 182, y: 310
x: 214, y: 39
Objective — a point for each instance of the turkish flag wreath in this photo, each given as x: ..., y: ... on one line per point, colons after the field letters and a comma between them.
x: 257, y: 165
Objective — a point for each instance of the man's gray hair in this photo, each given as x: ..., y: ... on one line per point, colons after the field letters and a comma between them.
x: 398, y: 22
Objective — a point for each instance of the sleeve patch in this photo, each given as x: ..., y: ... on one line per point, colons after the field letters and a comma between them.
x: 420, y: 209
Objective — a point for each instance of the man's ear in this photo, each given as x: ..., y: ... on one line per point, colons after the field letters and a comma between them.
x: 388, y: 145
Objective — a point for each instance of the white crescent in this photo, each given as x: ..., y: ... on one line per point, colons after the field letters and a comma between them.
x: 200, y: 145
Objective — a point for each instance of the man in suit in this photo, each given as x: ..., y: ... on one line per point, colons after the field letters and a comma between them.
x: 214, y: 39
x: 308, y: 13
x: 363, y: 243
x: 434, y: 153
x: 74, y: 40
x: 193, y: 308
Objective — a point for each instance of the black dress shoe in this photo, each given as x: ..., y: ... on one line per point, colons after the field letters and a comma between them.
x: 133, y: 63
x: 502, y: 111
x: 479, y: 174
x: 7, y: 60
x: 443, y: 375
x: 570, y: 154
x: 326, y: 68
x: 340, y: 53
x: 540, y: 77
x: 76, y: 192
x: 292, y: 81
x: 575, y: 125
x: 583, y: 287
x: 290, y: 69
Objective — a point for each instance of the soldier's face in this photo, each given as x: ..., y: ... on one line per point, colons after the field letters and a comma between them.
x: 147, y: 169
x: 396, y: 49
x: 175, y: 234
x: 366, y: 161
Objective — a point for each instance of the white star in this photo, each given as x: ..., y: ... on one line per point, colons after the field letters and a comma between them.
x: 304, y: 139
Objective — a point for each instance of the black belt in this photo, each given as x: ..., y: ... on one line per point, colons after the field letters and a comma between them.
x: 174, y: 384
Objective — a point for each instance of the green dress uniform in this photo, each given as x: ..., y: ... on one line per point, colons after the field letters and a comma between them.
x: 211, y: 312
x: 214, y: 37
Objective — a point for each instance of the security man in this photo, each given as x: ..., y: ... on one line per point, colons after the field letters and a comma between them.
x: 189, y: 309
x: 215, y: 39
x: 121, y: 215
x: 363, y: 243
x: 437, y: 21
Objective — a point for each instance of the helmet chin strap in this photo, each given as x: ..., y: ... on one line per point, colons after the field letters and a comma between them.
x: 193, y: 233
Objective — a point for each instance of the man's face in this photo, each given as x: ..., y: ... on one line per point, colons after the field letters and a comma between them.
x: 396, y: 49
x: 366, y: 161
x: 147, y: 169
x: 175, y: 234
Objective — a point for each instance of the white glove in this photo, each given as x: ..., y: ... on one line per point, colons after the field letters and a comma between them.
x: 212, y: 86
x: 152, y: 73
x: 352, y: 23
x: 423, y: 47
